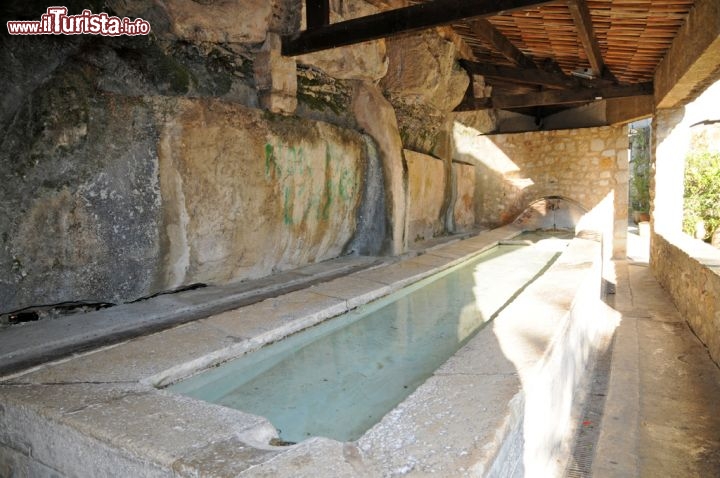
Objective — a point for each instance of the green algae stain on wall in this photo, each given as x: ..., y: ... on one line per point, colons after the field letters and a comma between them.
x: 304, y: 190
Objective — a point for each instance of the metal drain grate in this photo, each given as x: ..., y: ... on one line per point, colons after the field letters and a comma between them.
x: 588, y: 430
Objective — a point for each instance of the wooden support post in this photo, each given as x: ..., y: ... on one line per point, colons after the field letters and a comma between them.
x: 317, y: 13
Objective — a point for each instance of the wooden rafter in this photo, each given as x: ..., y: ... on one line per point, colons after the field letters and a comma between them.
x: 317, y: 13
x: 529, y: 77
x: 583, y: 22
x: 397, y: 21
x: 485, y: 30
x: 557, y: 97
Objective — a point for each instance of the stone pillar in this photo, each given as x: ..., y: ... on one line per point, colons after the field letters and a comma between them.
x: 670, y: 145
x: 620, y: 223
x: 275, y: 77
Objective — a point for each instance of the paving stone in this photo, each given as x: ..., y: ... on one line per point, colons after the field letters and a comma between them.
x: 137, y: 359
x: 354, y: 290
x: 278, y: 317
x: 398, y: 275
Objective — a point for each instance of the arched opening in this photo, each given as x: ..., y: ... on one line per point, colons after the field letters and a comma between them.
x: 551, y: 213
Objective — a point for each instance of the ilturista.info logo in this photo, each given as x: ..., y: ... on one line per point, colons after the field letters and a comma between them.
x: 56, y: 21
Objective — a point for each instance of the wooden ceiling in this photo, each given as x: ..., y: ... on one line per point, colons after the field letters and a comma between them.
x: 532, y: 52
x: 633, y: 35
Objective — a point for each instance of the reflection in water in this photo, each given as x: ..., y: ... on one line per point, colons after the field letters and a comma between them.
x: 339, y: 378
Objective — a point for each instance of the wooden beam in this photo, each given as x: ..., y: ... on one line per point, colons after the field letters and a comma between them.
x: 317, y: 13
x: 557, y: 97
x: 400, y: 20
x: 520, y: 75
x: 583, y: 22
x: 548, y: 79
x: 485, y: 30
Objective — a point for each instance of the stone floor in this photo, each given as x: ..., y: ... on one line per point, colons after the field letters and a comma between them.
x: 660, y: 415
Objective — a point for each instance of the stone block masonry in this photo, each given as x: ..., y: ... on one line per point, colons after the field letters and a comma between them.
x: 689, y: 270
x: 588, y: 166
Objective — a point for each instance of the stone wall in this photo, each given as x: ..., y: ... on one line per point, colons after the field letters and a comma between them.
x: 133, y: 165
x: 463, y: 176
x: 588, y: 166
x: 689, y: 270
x: 232, y: 178
x: 161, y: 193
x: 80, y: 199
x: 426, y: 193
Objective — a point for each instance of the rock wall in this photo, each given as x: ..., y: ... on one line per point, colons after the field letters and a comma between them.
x: 80, y: 199
x: 376, y: 116
x: 464, y: 196
x: 233, y: 177
x: 588, y: 166
x: 134, y: 165
x: 155, y: 194
x: 364, y: 61
x: 426, y: 193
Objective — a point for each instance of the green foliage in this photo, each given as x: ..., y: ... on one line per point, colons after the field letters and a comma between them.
x: 702, y: 192
x: 640, y: 179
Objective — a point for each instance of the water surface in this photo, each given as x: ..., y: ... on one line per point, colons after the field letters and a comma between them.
x: 339, y: 378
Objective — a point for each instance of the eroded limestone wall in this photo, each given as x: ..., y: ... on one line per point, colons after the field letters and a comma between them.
x: 134, y: 165
x: 588, y: 166
x: 464, y: 200
x: 426, y: 193
x: 131, y: 166
x: 246, y: 193
x: 160, y: 193
x: 80, y: 198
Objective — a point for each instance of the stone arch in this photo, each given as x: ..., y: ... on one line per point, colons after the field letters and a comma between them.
x: 551, y: 212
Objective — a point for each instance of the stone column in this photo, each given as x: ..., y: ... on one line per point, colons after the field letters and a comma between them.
x: 670, y: 145
x: 620, y: 224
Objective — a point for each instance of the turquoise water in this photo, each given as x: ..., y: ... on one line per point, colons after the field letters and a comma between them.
x: 339, y: 378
